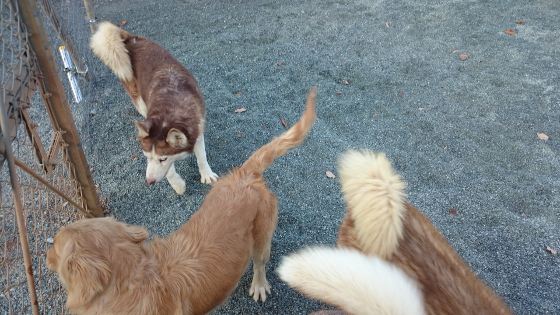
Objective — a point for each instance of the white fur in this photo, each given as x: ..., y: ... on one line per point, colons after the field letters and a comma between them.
x: 141, y: 107
x: 375, y: 195
x: 348, y: 279
x: 206, y: 174
x: 108, y: 45
x: 160, y: 166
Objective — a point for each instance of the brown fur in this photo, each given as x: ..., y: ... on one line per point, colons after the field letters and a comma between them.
x: 169, y: 90
x: 447, y: 283
x: 108, y: 269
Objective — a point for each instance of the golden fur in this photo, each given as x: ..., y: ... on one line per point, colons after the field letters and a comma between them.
x: 447, y: 283
x: 107, y: 268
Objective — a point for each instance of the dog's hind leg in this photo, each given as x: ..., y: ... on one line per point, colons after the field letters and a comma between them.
x: 175, y: 180
x: 206, y: 174
x: 263, y: 228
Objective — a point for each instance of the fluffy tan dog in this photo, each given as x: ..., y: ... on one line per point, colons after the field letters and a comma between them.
x: 108, y: 269
x: 381, y: 223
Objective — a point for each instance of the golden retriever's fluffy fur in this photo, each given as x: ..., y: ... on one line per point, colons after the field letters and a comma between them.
x: 108, y: 269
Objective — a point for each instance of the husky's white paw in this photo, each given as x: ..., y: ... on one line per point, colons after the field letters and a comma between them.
x: 259, y: 290
x: 208, y: 177
x: 178, y: 184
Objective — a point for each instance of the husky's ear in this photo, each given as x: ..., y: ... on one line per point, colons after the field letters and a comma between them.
x: 176, y: 139
x: 143, y: 128
x: 86, y: 273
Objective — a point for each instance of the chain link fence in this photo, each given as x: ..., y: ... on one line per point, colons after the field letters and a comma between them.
x: 45, y: 182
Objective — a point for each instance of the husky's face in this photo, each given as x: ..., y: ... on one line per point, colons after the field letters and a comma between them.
x: 161, y: 150
x: 159, y: 165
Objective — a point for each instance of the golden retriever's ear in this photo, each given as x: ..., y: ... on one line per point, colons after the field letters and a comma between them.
x: 137, y: 234
x: 86, y: 272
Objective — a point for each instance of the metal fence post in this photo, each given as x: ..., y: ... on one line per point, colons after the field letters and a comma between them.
x: 56, y: 102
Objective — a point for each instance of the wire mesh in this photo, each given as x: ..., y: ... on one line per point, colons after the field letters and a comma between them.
x: 32, y: 137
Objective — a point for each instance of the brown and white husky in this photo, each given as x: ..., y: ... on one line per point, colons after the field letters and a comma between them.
x: 166, y: 94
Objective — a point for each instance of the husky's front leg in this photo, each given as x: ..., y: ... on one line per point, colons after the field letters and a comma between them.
x: 175, y: 180
x: 206, y: 174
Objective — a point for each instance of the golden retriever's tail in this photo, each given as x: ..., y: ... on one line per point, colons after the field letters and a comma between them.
x: 351, y: 281
x: 108, y: 44
x: 263, y: 157
x: 375, y: 199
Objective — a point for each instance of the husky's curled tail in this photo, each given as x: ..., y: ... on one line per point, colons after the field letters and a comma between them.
x: 261, y: 159
x: 108, y: 44
x: 360, y: 282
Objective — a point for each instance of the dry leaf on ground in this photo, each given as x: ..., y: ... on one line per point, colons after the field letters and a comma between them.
x: 551, y: 250
x: 542, y: 136
x: 122, y: 23
x: 240, y: 110
x: 510, y: 32
x: 453, y: 211
x: 520, y: 22
x: 284, y: 122
x: 463, y: 57
x: 238, y: 94
x: 330, y: 174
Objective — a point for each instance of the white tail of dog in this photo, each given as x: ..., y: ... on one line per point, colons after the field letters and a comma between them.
x: 352, y: 281
x: 108, y: 44
x: 375, y: 197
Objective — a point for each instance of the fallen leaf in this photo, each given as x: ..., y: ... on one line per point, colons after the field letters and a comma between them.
x: 338, y: 92
x: 238, y: 136
x: 386, y: 24
x: 453, y: 211
x: 346, y: 82
x: 401, y: 93
x: 122, y: 23
x: 330, y: 174
x: 284, y: 122
x: 279, y: 64
x: 510, y: 32
x: 463, y: 57
x: 421, y: 108
x: 135, y: 159
x: 96, y: 185
x: 455, y: 51
x: 551, y: 250
x: 238, y: 94
x: 542, y: 136
x: 520, y: 22
x: 240, y: 110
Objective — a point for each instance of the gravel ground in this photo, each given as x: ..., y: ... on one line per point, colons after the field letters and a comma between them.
x: 463, y: 133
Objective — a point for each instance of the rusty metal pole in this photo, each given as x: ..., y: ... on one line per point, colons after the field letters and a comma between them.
x: 55, y: 99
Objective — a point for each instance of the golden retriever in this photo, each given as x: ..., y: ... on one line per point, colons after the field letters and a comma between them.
x: 381, y: 224
x: 108, y: 269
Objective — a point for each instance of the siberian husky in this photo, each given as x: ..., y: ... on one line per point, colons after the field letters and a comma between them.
x: 166, y: 94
